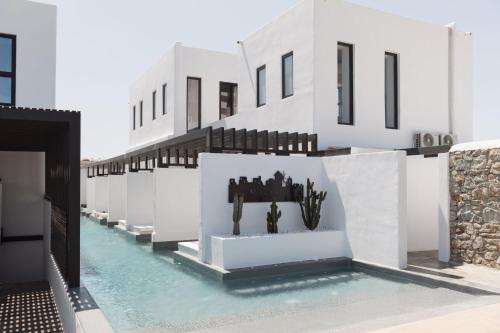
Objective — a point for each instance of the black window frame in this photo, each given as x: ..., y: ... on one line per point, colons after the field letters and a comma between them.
x: 233, y: 85
x: 351, y: 83
x: 396, y: 90
x: 12, y: 74
x: 199, y: 103
x: 141, y: 108
x: 259, y: 104
x: 283, y: 58
x: 133, y: 117
x: 153, y: 108
x: 164, y: 98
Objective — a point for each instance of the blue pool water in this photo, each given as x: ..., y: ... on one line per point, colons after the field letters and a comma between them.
x: 139, y: 290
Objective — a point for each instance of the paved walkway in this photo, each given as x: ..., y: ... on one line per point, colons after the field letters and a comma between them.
x: 479, y: 320
x: 28, y: 307
x: 427, y: 263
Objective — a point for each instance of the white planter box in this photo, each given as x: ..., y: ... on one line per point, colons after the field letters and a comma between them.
x: 231, y: 252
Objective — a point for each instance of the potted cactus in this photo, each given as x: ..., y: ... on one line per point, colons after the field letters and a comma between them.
x: 310, y: 206
x: 272, y: 219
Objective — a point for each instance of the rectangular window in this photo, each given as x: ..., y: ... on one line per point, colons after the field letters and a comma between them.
x: 391, y: 91
x: 164, y: 98
x: 193, y: 114
x: 261, y: 86
x: 140, y: 114
x: 133, y: 117
x: 287, y: 75
x: 154, y: 105
x: 7, y: 70
x: 228, y: 99
x: 345, y: 84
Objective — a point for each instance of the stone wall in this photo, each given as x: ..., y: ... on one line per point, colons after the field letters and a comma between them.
x: 475, y: 206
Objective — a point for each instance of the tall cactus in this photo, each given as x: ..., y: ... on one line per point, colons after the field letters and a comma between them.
x: 237, y: 212
x: 272, y: 219
x: 310, y: 206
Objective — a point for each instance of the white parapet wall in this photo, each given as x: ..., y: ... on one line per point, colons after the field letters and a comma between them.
x: 101, y: 194
x: 423, y: 200
x: 176, y: 204
x: 91, y: 194
x: 140, y: 207
x: 117, y: 198
x: 366, y: 202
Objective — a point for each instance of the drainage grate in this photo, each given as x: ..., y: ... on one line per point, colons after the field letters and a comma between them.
x: 29, y: 311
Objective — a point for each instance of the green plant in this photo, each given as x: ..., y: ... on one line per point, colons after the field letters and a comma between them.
x: 310, y: 206
x: 272, y: 219
x: 237, y: 212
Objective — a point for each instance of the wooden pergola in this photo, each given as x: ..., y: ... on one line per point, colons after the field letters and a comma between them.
x: 57, y: 134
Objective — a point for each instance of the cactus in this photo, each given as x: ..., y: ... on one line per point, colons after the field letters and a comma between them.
x: 310, y: 206
x: 272, y: 219
x: 237, y: 212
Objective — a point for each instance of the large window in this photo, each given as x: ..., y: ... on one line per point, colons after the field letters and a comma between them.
x: 228, y: 99
x: 391, y: 91
x: 345, y: 84
x: 164, y: 98
x: 154, y: 104
x: 193, y: 103
x: 140, y: 113
x: 133, y: 117
x: 7, y: 70
x: 261, y: 86
x: 287, y: 75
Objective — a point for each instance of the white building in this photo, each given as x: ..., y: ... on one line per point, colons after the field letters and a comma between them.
x: 355, y: 76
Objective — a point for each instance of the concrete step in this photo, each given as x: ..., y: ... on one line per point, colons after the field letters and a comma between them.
x: 189, y: 248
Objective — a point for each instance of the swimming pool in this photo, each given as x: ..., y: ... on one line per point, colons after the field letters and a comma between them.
x: 142, y: 291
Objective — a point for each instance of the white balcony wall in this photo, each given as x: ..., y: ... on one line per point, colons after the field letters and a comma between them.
x: 34, y: 25
x: 117, y: 198
x: 140, y: 208
x: 176, y: 204
x: 83, y: 186
x: 90, y: 195
x: 101, y: 194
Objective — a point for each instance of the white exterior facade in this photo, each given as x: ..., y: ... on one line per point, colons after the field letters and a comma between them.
x: 434, y: 79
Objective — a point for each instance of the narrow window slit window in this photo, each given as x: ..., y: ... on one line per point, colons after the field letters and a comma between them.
x: 193, y: 120
x: 391, y: 91
x: 261, y: 86
x: 140, y: 113
x: 228, y: 99
x: 133, y: 117
x: 164, y: 98
x: 345, y: 84
x: 287, y: 75
x: 154, y: 104
x: 7, y: 70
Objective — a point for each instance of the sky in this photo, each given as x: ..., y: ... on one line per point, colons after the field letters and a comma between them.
x: 104, y: 45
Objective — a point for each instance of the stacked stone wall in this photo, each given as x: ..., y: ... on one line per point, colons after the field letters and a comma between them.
x: 475, y: 207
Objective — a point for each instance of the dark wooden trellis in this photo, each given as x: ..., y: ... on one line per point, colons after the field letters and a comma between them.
x: 184, y: 150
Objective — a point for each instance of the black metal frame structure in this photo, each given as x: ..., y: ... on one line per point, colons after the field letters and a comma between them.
x: 396, y: 91
x: 283, y: 90
x: 12, y: 73
x: 257, y: 78
x: 57, y: 134
x: 351, y: 83
x: 184, y: 150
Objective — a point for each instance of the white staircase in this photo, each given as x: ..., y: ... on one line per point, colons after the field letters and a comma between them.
x: 189, y: 248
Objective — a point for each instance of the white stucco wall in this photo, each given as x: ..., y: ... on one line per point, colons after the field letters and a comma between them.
x: 90, y: 187
x: 34, y: 24
x: 117, y: 198
x: 176, y: 204
x: 423, y: 202
x: 101, y: 194
x: 83, y: 186
x: 366, y: 200
x: 23, y: 179
x: 444, y: 207
x: 140, y: 208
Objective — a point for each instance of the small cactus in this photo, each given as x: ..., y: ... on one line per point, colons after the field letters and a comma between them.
x: 272, y: 219
x: 310, y: 206
x: 237, y: 212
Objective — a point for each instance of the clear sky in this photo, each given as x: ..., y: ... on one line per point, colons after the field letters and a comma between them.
x: 104, y: 45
